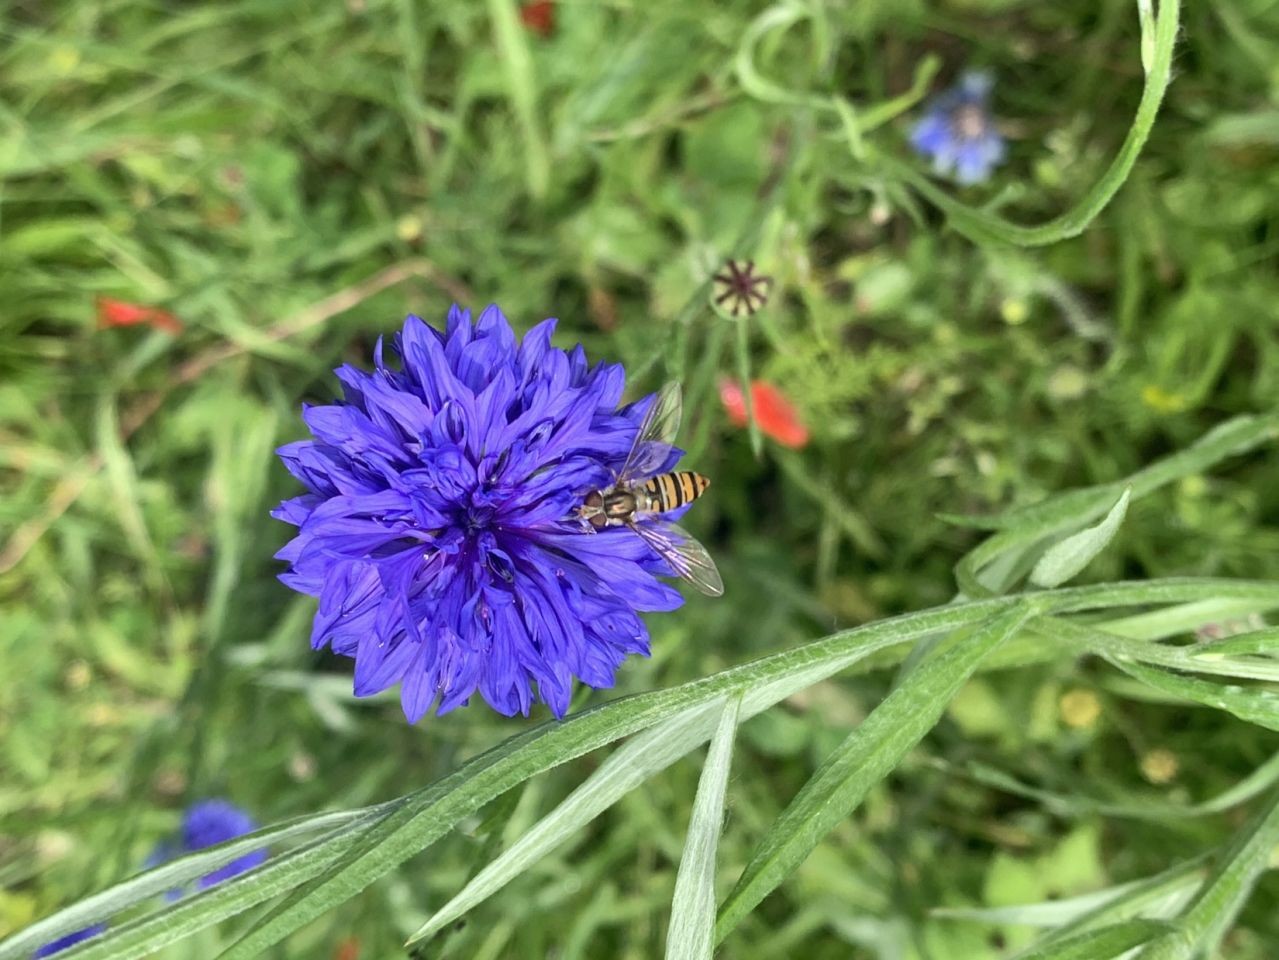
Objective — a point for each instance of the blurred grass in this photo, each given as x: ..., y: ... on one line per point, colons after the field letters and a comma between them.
x: 290, y: 179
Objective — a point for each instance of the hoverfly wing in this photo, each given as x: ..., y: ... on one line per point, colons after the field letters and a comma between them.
x: 686, y: 557
x: 655, y: 436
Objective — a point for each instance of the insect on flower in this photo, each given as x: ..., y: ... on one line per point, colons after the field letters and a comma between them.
x: 959, y: 133
x: 741, y: 288
x: 442, y: 527
x: 641, y: 492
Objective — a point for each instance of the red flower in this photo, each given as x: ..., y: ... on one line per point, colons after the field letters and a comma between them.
x: 348, y: 949
x: 539, y: 16
x: 776, y: 416
x: 120, y: 313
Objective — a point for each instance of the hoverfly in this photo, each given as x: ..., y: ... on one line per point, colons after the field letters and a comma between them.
x: 640, y: 494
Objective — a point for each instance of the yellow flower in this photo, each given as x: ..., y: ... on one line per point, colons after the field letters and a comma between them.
x: 1079, y: 708
x: 1161, y: 401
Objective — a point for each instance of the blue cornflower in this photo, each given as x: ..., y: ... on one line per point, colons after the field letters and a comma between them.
x: 207, y: 823
x: 958, y: 131
x: 439, y: 535
x: 70, y: 940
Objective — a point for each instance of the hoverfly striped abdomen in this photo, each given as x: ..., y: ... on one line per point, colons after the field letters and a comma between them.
x: 639, y: 495
x: 670, y: 491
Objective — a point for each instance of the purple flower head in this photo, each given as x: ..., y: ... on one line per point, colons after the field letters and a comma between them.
x: 207, y: 823
x: 210, y: 822
x: 439, y: 533
x: 70, y: 940
x: 958, y: 131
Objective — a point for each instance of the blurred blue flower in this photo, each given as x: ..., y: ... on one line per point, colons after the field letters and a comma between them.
x: 958, y: 132
x: 438, y: 534
x: 70, y: 940
x: 207, y: 823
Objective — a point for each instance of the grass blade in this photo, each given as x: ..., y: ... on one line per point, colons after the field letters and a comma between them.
x: 147, y: 934
x: 1102, y: 944
x: 691, y: 934
x: 1205, y: 921
x: 868, y: 755
x: 521, y: 81
x: 175, y: 874
x: 1252, y: 704
x: 431, y: 812
x: 1063, y: 561
x: 1067, y: 512
x: 1263, y: 642
x: 628, y: 767
x: 342, y: 868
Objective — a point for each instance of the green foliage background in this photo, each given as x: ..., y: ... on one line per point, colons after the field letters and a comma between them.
x: 290, y: 179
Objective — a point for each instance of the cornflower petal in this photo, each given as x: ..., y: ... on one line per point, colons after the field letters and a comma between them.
x: 958, y: 133
x: 438, y: 530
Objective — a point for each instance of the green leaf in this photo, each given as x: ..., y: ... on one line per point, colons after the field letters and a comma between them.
x: 1252, y: 704
x: 691, y: 934
x: 1119, y: 901
x: 416, y: 820
x: 428, y: 814
x: 521, y: 81
x: 630, y: 765
x: 1101, y: 944
x: 868, y: 755
x: 1206, y: 919
x: 1024, y: 528
x: 1064, y: 560
x: 1253, y: 643
x: 175, y: 874
x: 1150, y: 808
x: 279, y: 874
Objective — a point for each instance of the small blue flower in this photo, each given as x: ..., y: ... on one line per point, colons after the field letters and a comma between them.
x: 958, y: 131
x: 438, y: 530
x: 207, y: 823
x: 70, y: 940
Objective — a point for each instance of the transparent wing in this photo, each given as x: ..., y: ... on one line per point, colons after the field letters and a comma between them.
x: 656, y: 434
x: 686, y: 556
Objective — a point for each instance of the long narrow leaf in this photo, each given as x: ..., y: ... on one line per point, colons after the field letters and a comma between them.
x: 866, y: 757
x: 1247, y: 703
x: 425, y: 815
x: 1102, y: 944
x: 1160, y: 897
x: 431, y: 812
x: 1068, y: 512
x: 691, y: 933
x: 640, y: 758
x: 1062, y: 561
x: 278, y: 875
x: 1205, y: 921
x: 173, y: 875
x: 630, y: 765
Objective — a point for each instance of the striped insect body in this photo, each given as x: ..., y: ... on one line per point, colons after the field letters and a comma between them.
x: 643, y: 492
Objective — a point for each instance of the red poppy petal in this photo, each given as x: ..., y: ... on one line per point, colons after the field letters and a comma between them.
x: 539, y: 16
x: 163, y: 320
x: 121, y: 313
x: 734, y: 401
x: 118, y: 313
x: 776, y: 416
